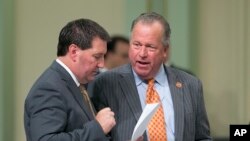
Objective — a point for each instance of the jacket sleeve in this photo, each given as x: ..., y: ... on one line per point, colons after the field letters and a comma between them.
x: 46, y: 119
x: 202, y: 132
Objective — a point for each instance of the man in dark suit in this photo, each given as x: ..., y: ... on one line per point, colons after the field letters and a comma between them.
x: 55, y: 108
x: 125, y: 91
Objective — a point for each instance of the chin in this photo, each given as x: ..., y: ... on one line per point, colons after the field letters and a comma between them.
x: 143, y: 75
x: 91, y: 79
x: 141, y: 72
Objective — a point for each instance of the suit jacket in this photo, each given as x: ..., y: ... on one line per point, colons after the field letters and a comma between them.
x: 54, y: 110
x: 117, y: 89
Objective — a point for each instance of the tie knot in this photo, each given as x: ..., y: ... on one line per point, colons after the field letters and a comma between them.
x: 82, y: 87
x: 151, y: 82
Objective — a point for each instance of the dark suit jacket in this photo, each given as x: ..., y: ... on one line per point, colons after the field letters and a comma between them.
x: 117, y: 89
x: 54, y: 110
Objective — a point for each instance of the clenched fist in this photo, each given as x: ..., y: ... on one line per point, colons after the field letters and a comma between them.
x: 106, y: 119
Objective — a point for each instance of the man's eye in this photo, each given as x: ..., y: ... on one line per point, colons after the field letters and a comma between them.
x: 136, y: 45
x: 97, y: 56
x: 151, y: 47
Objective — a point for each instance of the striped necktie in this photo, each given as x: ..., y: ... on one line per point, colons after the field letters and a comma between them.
x: 86, y: 99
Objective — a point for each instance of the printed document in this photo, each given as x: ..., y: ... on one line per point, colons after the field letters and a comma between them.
x: 144, y: 119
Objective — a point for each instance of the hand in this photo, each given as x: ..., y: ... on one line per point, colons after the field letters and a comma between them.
x: 106, y: 119
x: 140, y: 138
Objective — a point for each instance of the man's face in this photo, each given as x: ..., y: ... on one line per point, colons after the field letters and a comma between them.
x: 146, y: 51
x: 120, y: 54
x: 90, y: 60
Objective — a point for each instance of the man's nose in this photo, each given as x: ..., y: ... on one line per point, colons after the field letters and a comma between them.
x: 100, y: 63
x: 143, y: 51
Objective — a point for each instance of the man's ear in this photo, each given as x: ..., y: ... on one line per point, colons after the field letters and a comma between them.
x: 166, y: 52
x: 73, y: 52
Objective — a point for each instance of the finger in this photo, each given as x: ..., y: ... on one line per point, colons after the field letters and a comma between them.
x: 112, y: 114
x: 106, y: 109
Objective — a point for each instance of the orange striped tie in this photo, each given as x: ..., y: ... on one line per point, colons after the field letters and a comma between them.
x: 156, y: 127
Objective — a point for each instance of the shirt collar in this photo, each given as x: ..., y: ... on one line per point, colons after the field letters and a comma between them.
x: 138, y: 80
x: 69, y: 71
x: 159, y: 78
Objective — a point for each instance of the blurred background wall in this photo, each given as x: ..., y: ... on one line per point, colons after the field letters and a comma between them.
x: 209, y: 38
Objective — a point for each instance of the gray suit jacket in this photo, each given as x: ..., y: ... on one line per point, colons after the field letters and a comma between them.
x: 54, y: 110
x: 116, y: 89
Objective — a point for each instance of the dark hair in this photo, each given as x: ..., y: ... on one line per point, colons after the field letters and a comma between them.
x: 149, y: 18
x: 80, y: 32
x: 114, y: 40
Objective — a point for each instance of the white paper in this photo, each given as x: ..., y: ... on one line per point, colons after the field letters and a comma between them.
x: 144, y: 119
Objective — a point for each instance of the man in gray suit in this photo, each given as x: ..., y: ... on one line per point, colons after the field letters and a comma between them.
x: 55, y: 108
x: 124, y: 89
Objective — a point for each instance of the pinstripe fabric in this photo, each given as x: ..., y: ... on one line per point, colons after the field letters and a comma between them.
x: 117, y: 89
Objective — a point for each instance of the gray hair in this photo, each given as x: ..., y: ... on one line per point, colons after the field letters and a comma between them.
x: 151, y: 17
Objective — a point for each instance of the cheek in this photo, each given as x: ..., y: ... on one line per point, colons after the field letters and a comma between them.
x: 156, y: 58
x: 87, y: 64
x: 132, y: 54
x: 91, y: 64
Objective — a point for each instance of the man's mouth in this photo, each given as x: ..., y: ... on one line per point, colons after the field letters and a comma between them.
x: 95, y: 72
x: 143, y: 62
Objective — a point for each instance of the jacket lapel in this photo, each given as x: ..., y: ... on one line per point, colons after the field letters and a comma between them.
x: 79, y: 98
x: 128, y: 86
x: 176, y: 89
x: 75, y: 91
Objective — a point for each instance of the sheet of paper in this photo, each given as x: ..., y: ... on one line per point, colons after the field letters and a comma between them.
x: 144, y: 119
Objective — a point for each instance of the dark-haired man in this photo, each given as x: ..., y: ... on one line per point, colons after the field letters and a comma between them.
x: 55, y: 108
x: 117, y: 53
